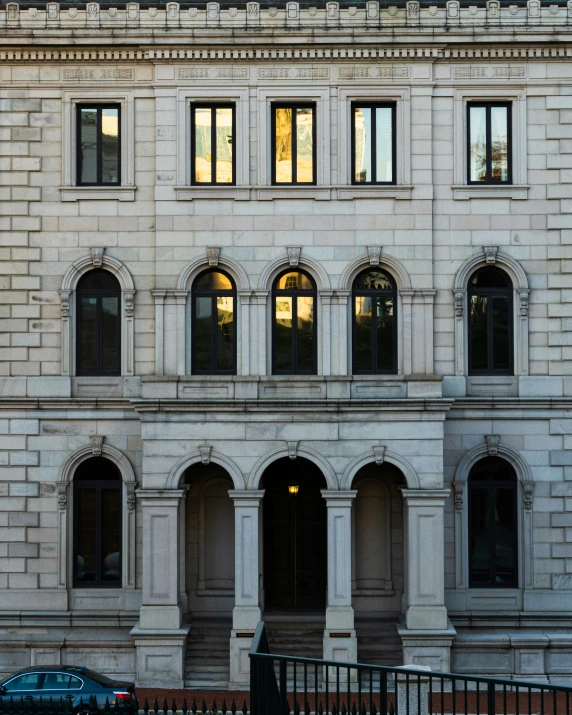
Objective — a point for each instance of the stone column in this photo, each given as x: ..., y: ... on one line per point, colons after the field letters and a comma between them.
x: 160, y: 639
x: 407, y: 335
x: 340, y: 642
x: 159, y: 296
x: 427, y: 633
x: 326, y: 331
x: 243, y: 353
x: 246, y: 613
x: 260, y: 301
x: 181, y: 301
x: 340, y: 328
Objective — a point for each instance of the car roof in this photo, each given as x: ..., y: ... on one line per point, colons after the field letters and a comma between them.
x: 50, y: 668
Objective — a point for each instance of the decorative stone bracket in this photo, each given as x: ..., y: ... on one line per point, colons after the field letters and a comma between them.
x: 292, y: 449
x: 379, y: 454
x: 528, y: 491
x: 459, y: 495
x: 490, y: 253
x: 205, y: 452
x: 293, y: 255
x: 62, y: 490
x: 96, y: 444
x: 493, y: 441
x: 213, y: 255
x: 97, y: 257
x: 374, y: 253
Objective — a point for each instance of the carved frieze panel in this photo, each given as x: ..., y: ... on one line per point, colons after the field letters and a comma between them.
x: 97, y: 74
x: 212, y: 73
x: 490, y: 72
x: 293, y: 73
x: 374, y: 72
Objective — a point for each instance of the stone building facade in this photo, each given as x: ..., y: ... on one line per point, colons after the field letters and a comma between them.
x: 390, y: 545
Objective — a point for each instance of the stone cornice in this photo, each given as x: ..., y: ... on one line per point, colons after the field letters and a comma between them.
x: 339, y: 53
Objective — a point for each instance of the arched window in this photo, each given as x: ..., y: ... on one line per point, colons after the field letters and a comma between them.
x: 213, y: 324
x: 294, y: 324
x: 98, y: 324
x: 493, y: 542
x: 374, y: 318
x: 97, y: 524
x: 490, y: 323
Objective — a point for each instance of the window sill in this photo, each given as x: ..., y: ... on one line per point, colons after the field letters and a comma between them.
x: 490, y: 191
x: 97, y: 193
x: 390, y: 191
x: 492, y: 386
x: 190, y: 193
x: 269, y: 193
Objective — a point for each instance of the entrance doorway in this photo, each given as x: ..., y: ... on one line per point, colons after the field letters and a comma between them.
x: 295, y: 527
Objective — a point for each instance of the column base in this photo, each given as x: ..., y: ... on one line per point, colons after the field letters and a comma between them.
x: 428, y: 647
x: 160, y: 656
x: 340, y: 646
x: 240, y: 643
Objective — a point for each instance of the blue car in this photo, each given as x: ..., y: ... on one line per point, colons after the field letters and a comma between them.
x: 85, y: 689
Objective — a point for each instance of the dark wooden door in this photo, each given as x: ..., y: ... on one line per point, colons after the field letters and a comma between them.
x: 294, y: 537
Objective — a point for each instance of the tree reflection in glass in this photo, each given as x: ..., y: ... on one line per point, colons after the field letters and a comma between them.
x: 213, y: 317
x: 489, y: 143
x: 294, y: 300
x: 374, y: 326
x: 293, y: 145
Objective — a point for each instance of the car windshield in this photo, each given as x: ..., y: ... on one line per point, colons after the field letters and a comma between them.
x: 99, y: 678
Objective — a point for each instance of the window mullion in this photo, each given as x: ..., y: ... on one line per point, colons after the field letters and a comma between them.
x: 489, y: 148
x: 98, y: 355
x: 374, y: 332
x: 492, y: 536
x: 98, y: 534
x: 98, y: 152
x: 294, y: 146
x: 214, y: 343
x: 373, y: 145
x: 294, y: 333
x: 213, y: 146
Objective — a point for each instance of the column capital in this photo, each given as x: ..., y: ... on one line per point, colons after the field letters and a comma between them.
x: 426, y: 496
x: 242, y: 497
x: 160, y: 497
x: 337, y: 497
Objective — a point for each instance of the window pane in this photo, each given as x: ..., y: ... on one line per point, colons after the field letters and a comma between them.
x: 362, y: 148
x: 88, y: 145
x: 88, y: 334
x: 28, y: 681
x: 213, y: 280
x: 501, y: 338
x: 363, y: 348
x: 499, y: 143
x: 86, y: 535
x: 203, y: 333
x: 283, y: 333
x: 283, y: 149
x: 480, y: 548
x: 305, y: 329
x: 503, y: 511
x: 304, y: 145
x: 110, y: 334
x: 478, y: 144
x: 203, y: 149
x: 478, y: 333
x: 61, y: 681
x: 294, y: 281
x: 225, y: 332
x: 224, y: 139
x: 384, y: 141
x: 375, y: 279
x: 384, y: 333
x: 110, y: 535
x: 110, y: 146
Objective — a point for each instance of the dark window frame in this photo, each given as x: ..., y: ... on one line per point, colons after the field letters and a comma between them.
x: 213, y: 294
x: 294, y: 106
x: 99, y: 107
x: 491, y: 485
x: 213, y: 106
x: 295, y: 293
x: 374, y: 105
x: 373, y: 293
x: 99, y: 485
x: 490, y: 293
x: 97, y: 293
x: 489, y: 180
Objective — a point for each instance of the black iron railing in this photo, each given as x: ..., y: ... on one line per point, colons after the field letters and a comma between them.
x: 14, y: 704
x: 280, y: 685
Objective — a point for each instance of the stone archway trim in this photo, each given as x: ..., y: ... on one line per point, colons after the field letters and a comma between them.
x: 315, y: 268
x: 394, y: 267
x: 201, y: 263
x: 215, y: 457
x: 392, y: 457
x: 264, y: 462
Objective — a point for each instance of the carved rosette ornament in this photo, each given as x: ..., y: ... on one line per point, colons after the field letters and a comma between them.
x: 96, y: 445
x: 374, y: 253
x: 379, y: 454
x: 528, y: 490
x: 459, y: 304
x: 96, y: 257
x: 292, y: 449
x: 62, y: 490
x: 523, y: 303
x: 213, y: 255
x: 205, y: 452
x: 128, y: 297
x: 459, y: 495
x: 493, y: 441
x: 65, y: 303
x: 293, y: 255
x: 490, y: 253
x: 131, y: 495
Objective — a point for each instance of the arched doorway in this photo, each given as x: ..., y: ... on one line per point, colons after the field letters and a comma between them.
x: 295, y: 533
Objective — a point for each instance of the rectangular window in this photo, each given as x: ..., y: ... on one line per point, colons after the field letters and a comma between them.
x: 212, y: 144
x: 373, y: 143
x: 294, y: 143
x: 489, y: 143
x: 98, y: 145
